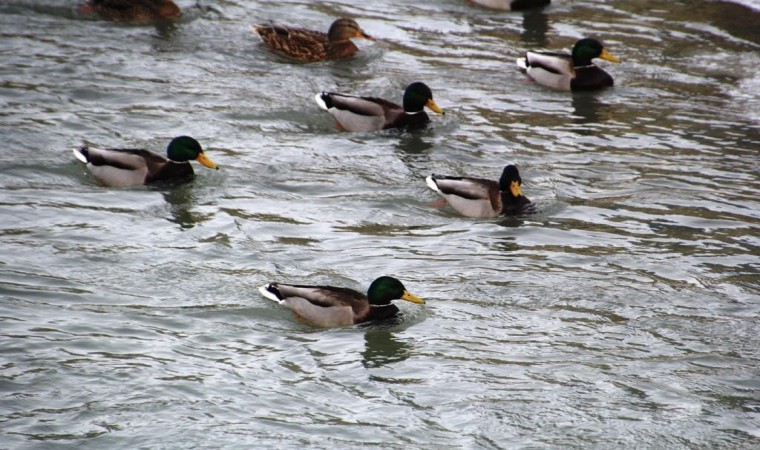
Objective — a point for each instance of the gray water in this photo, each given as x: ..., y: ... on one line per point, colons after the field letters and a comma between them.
x: 624, y: 314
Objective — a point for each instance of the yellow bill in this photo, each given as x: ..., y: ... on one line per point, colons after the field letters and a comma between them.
x: 203, y: 159
x: 434, y: 107
x: 412, y: 298
x: 607, y: 56
x: 514, y: 186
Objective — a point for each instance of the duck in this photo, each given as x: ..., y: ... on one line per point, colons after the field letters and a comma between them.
x: 309, y: 45
x: 329, y: 306
x: 569, y: 72
x: 362, y: 114
x: 478, y: 197
x: 132, y: 167
x: 512, y: 5
x: 132, y: 10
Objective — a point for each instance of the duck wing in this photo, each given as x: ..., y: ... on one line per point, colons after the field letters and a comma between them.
x: 551, y: 69
x: 554, y: 62
x: 354, y: 113
x: 472, y: 197
x: 122, y: 158
x: 298, y: 43
x: 318, y: 295
x: 120, y: 167
x: 465, y: 187
x: 325, y: 306
x: 365, y: 106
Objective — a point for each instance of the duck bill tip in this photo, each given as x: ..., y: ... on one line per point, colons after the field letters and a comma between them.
x: 434, y: 107
x: 412, y: 298
x: 515, y: 188
x: 607, y: 56
x: 203, y: 159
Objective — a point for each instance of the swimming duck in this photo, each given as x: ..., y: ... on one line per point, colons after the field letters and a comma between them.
x: 512, y: 5
x: 132, y: 10
x: 353, y: 113
x: 308, y: 45
x: 569, y: 72
x: 130, y: 167
x: 477, y: 197
x: 328, y: 306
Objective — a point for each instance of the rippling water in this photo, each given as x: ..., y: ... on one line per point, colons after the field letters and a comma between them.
x: 625, y: 314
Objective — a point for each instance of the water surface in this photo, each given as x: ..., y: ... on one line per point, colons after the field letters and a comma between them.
x: 624, y: 314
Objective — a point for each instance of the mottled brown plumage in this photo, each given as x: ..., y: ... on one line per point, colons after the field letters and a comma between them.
x: 132, y: 10
x: 310, y: 45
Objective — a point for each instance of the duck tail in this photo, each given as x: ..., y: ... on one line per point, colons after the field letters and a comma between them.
x: 82, y: 154
x: 323, y: 100
x: 522, y: 63
x: 258, y: 29
x: 432, y: 183
x: 271, y: 292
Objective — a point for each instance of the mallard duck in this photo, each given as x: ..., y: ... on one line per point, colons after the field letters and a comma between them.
x: 132, y: 10
x: 477, y: 197
x: 309, y: 45
x: 130, y: 167
x: 512, y: 5
x: 569, y: 72
x: 328, y: 306
x: 353, y: 113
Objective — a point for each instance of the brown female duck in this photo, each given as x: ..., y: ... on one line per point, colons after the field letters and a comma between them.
x: 132, y: 10
x: 309, y: 45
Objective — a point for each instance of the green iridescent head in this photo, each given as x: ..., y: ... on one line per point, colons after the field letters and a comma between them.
x: 185, y: 148
x: 417, y: 96
x: 587, y: 49
x: 385, y: 289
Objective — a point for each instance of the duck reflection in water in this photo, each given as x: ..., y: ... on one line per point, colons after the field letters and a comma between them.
x: 411, y: 148
x: 383, y: 348
x: 181, y: 200
x: 587, y: 108
x: 535, y: 27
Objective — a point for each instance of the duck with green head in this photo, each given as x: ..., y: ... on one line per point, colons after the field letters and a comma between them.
x: 479, y: 197
x: 362, y: 114
x: 118, y: 167
x: 569, y: 71
x: 309, y: 45
x: 132, y: 10
x: 329, y: 306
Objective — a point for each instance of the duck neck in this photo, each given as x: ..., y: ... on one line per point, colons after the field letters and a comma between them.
x: 340, y: 49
